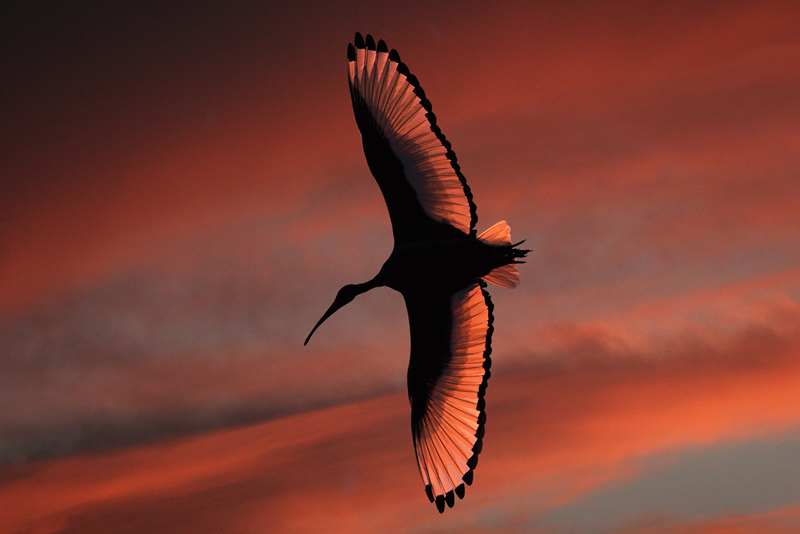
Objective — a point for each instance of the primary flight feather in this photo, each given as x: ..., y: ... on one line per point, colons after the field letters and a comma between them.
x: 438, y: 264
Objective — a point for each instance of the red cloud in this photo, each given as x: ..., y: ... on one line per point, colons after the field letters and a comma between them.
x: 554, y: 432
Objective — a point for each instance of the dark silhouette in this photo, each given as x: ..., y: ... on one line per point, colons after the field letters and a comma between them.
x: 438, y: 264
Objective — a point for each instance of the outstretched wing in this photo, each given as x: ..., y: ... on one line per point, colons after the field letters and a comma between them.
x: 414, y: 164
x: 447, y: 376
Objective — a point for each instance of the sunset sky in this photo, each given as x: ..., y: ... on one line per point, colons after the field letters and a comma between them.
x: 183, y: 191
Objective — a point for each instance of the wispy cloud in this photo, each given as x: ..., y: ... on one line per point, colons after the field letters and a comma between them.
x: 173, y: 224
x: 561, y: 435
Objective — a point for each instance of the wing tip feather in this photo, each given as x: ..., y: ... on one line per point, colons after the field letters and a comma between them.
x: 449, y: 498
x: 468, y: 478
x: 472, y: 463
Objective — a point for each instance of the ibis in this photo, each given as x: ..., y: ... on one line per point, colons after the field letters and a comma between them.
x: 439, y: 264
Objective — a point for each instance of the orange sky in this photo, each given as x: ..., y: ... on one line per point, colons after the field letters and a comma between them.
x: 562, y: 440
x: 184, y: 192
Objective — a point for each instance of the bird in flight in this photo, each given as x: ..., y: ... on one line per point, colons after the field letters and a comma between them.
x: 439, y: 264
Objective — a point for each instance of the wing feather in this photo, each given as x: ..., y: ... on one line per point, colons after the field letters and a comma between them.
x: 447, y: 377
x: 414, y: 164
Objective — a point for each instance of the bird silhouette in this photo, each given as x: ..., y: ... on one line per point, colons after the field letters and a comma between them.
x: 438, y: 264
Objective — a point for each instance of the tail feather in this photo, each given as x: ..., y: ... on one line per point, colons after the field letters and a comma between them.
x: 498, y: 234
x: 506, y: 274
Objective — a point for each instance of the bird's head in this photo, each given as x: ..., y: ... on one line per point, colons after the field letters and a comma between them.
x: 344, y: 296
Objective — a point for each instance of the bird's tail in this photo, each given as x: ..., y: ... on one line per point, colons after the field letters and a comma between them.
x: 505, y: 274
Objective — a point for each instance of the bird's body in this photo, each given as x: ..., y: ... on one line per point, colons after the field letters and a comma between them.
x: 446, y: 264
x: 439, y: 264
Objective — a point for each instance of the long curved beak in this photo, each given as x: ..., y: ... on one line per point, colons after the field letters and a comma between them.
x: 334, y: 307
x: 344, y: 296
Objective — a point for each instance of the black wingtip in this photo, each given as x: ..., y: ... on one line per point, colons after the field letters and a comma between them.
x: 370, y: 42
x: 394, y: 56
x: 351, y: 52
x: 429, y: 492
x: 450, y: 499
x: 460, y: 490
x: 359, y: 41
x: 440, y: 503
x: 382, y: 46
x: 467, y: 478
x: 472, y: 463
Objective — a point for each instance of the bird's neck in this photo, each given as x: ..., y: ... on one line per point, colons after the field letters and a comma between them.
x: 369, y: 284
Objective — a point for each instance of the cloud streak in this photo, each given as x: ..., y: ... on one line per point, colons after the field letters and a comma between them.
x: 557, y: 435
x: 184, y: 193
